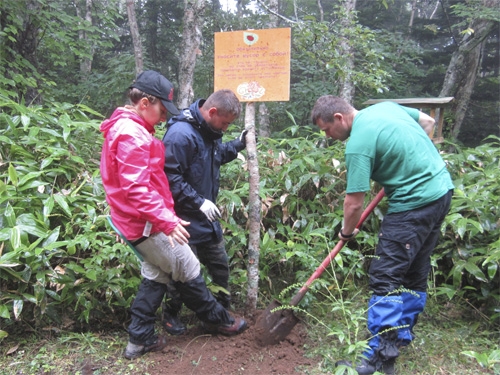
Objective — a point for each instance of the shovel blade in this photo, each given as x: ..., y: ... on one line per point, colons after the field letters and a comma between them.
x: 274, y: 327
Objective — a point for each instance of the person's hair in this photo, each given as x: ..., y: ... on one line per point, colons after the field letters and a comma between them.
x: 225, y: 101
x: 326, y: 106
x: 135, y: 95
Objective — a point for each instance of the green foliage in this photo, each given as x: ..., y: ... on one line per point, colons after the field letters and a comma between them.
x: 42, y: 44
x: 302, y: 182
x: 468, y: 256
x: 489, y: 360
x: 56, y: 255
x: 474, y: 9
x: 319, y: 63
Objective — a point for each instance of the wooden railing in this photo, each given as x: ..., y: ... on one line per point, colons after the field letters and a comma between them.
x: 420, y: 103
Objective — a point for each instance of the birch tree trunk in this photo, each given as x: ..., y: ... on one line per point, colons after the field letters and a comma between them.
x: 191, y: 39
x: 463, y: 68
x: 264, y: 126
x: 86, y: 63
x: 321, y: 13
x: 254, y: 212
x: 136, y: 38
x: 346, y: 84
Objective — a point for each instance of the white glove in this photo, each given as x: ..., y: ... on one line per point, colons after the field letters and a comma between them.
x: 243, y: 137
x: 210, y: 210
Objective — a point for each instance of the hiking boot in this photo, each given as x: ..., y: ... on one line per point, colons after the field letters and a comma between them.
x: 388, y: 366
x: 172, y: 324
x: 237, y: 326
x: 154, y: 344
x: 365, y: 367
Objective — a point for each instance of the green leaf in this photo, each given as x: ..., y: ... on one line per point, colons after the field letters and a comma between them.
x: 474, y: 270
x: 10, y: 215
x: 18, y: 305
x: 48, y: 206
x: 13, y: 175
x: 28, y: 223
x: 25, y: 120
x: 61, y: 201
x: 15, y: 238
x: 4, y: 313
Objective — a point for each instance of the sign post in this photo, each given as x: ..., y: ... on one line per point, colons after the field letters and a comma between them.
x: 255, y: 64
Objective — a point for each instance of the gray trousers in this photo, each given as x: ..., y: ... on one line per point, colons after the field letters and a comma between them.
x: 164, y: 262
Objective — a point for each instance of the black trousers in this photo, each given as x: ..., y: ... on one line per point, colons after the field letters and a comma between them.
x: 406, y: 242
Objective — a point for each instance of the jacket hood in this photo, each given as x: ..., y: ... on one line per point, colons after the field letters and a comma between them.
x: 124, y: 113
x: 193, y: 116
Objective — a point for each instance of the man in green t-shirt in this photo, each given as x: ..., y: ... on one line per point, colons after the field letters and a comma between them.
x: 390, y: 144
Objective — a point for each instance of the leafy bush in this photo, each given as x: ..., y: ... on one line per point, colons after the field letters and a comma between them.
x: 468, y: 257
x: 302, y: 184
x: 57, y: 259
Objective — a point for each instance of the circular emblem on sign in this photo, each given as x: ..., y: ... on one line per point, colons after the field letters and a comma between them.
x: 250, y: 38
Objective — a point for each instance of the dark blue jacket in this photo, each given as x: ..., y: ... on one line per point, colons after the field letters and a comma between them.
x: 193, y: 156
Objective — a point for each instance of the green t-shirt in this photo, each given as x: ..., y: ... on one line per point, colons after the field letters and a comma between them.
x: 389, y: 146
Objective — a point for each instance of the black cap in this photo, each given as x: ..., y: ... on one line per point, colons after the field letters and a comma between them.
x: 153, y: 83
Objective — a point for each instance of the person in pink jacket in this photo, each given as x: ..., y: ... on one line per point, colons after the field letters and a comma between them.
x: 142, y: 208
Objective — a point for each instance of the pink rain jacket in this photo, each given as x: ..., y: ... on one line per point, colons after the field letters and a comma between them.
x: 137, y: 189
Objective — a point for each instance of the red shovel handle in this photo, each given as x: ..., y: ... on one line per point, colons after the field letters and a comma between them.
x: 368, y: 210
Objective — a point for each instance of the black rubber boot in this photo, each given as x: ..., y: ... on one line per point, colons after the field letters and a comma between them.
x: 196, y: 296
x: 388, y: 350
x: 171, y: 309
x: 143, y: 311
x: 364, y: 366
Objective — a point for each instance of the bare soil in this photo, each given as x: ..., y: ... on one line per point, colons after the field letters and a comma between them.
x: 198, y: 353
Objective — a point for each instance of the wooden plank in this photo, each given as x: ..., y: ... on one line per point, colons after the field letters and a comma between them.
x: 417, y: 102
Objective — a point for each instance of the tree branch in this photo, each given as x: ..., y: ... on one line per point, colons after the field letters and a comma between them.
x: 276, y: 14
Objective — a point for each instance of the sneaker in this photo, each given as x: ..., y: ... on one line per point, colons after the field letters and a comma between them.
x: 365, y: 367
x: 155, y: 344
x: 237, y: 326
x: 173, y: 325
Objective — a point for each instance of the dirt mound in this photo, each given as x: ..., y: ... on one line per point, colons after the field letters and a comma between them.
x: 198, y: 353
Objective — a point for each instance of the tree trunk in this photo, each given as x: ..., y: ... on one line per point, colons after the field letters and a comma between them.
x: 264, y: 125
x: 254, y: 212
x: 463, y: 69
x: 86, y: 63
x: 346, y: 84
x: 321, y: 13
x: 136, y: 38
x: 191, y: 39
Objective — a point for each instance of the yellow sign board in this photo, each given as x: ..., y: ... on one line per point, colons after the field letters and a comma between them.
x: 255, y: 64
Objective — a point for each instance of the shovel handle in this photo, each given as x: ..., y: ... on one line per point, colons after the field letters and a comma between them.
x: 368, y: 210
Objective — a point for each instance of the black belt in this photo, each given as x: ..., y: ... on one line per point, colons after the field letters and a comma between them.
x: 140, y: 240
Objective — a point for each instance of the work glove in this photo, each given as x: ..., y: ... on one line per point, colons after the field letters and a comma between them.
x: 243, y: 137
x: 210, y: 210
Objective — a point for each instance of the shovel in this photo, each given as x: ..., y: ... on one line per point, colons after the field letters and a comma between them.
x: 273, y: 327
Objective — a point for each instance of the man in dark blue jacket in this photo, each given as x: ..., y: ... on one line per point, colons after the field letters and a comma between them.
x: 194, y: 153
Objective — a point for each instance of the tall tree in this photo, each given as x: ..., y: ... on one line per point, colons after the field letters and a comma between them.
x: 463, y: 68
x: 347, y: 21
x: 254, y: 211
x: 191, y: 39
x: 264, y: 127
x: 136, y: 37
x: 86, y: 17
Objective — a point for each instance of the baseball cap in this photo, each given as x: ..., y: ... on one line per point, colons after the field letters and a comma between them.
x: 153, y: 83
